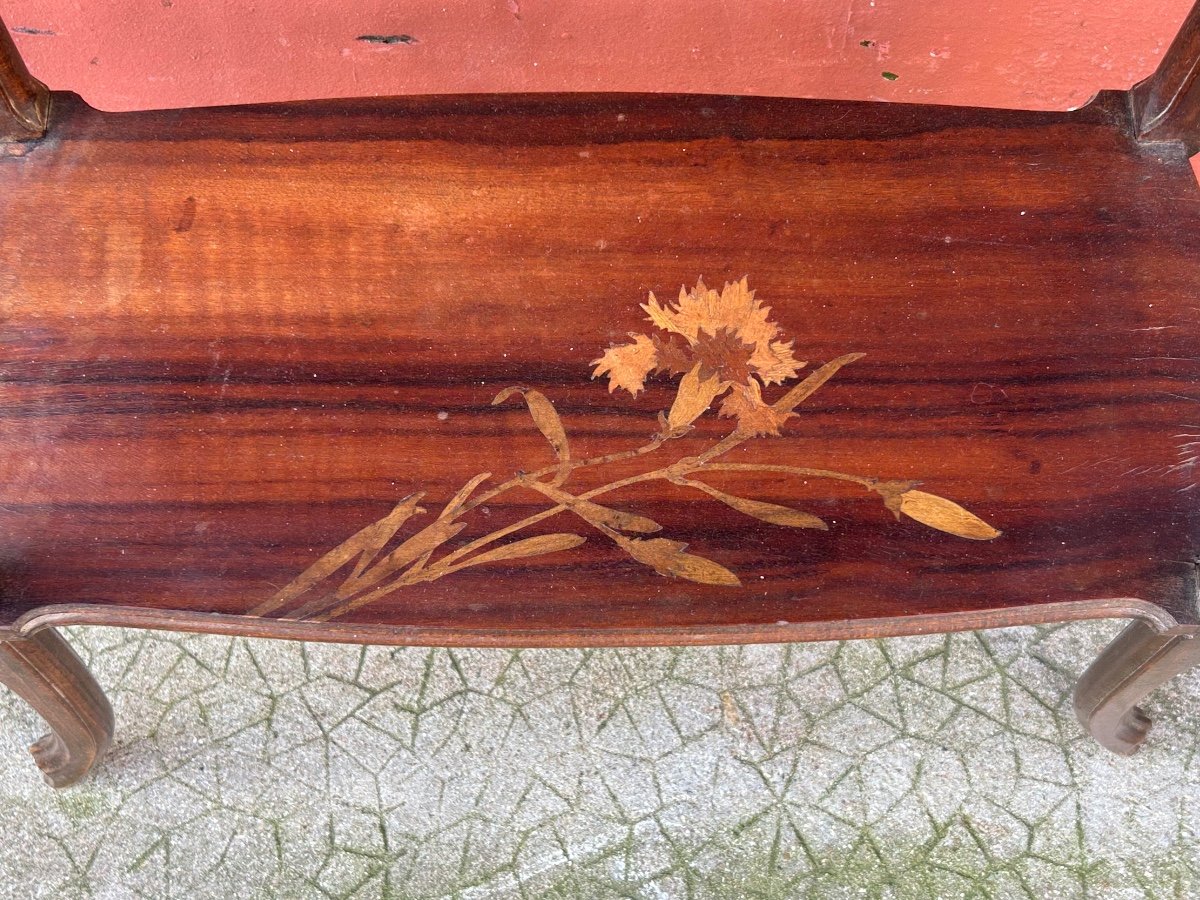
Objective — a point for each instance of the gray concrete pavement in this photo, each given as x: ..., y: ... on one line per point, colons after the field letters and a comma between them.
x: 946, y: 766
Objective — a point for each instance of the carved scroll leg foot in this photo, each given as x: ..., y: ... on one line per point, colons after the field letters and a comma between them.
x: 45, y: 672
x: 1137, y: 661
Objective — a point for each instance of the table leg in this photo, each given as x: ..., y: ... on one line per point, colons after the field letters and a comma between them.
x: 45, y: 672
x: 1138, y: 660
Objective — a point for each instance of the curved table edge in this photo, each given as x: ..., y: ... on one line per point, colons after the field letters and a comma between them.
x: 36, y: 620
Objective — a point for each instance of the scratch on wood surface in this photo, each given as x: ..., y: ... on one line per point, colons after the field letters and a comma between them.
x: 1089, y: 465
x: 1189, y: 457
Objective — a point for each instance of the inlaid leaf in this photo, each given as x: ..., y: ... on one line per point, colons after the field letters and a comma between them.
x: 616, y: 518
x: 428, y: 538
x: 365, y: 544
x: 945, y: 515
x: 596, y: 514
x: 384, y: 530
x: 774, y: 362
x: 766, y: 512
x: 611, y: 518
x: 694, y: 397
x: 451, y: 509
x: 627, y: 365
x: 534, y: 546
x: 805, y: 389
x: 673, y: 354
x: 754, y: 417
x: 545, y: 417
x: 666, y: 557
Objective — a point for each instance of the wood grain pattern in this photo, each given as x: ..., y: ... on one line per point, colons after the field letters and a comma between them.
x: 24, y: 101
x: 1167, y: 104
x: 225, y: 355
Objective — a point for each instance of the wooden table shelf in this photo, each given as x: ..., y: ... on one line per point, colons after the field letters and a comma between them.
x: 257, y: 363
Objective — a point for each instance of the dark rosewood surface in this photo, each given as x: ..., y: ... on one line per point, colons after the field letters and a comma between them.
x: 233, y: 338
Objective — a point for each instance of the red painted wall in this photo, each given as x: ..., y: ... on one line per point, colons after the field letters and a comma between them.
x: 1042, y: 54
x: 1047, y: 54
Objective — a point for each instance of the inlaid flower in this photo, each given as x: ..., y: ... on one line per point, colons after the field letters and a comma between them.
x: 721, y: 342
